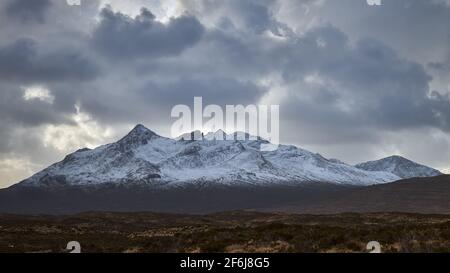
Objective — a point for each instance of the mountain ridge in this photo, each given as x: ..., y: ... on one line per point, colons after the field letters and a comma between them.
x: 145, y: 158
x: 147, y: 172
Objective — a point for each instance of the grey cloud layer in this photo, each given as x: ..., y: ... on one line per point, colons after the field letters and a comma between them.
x: 21, y: 61
x: 336, y: 83
x: 27, y: 11
x: 120, y: 36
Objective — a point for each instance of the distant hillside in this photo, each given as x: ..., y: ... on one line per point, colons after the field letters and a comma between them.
x: 418, y: 195
x: 400, y: 166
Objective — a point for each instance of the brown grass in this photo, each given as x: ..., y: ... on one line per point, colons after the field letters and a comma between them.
x: 225, y: 232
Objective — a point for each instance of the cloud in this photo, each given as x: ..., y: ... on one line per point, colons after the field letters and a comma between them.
x: 367, y: 80
x: 16, y: 110
x: 27, y: 11
x: 15, y: 169
x: 416, y: 30
x: 83, y: 132
x: 38, y: 93
x: 121, y: 37
x: 22, y: 61
x: 353, y: 81
x: 253, y: 16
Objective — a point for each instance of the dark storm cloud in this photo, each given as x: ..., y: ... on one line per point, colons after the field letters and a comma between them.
x: 255, y: 14
x: 27, y: 11
x: 122, y: 37
x: 416, y: 29
x: 152, y: 101
x: 213, y: 90
x: 22, y: 61
x: 382, y: 89
x: 341, y: 79
x: 365, y: 85
x: 251, y: 15
x: 440, y: 66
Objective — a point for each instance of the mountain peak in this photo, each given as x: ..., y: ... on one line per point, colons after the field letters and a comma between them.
x: 139, y: 135
x: 396, y: 157
x: 140, y: 129
x: 399, y: 166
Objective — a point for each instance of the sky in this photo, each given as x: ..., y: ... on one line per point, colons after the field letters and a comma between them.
x: 353, y: 81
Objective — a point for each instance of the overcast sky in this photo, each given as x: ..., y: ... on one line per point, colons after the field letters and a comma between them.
x: 353, y: 81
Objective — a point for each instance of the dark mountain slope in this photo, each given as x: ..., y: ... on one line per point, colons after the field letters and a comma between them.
x: 417, y: 195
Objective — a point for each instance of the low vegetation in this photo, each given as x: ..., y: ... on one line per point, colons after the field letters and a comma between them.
x: 225, y: 232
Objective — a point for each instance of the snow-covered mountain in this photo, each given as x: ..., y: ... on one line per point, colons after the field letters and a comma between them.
x: 144, y: 158
x: 399, y: 166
